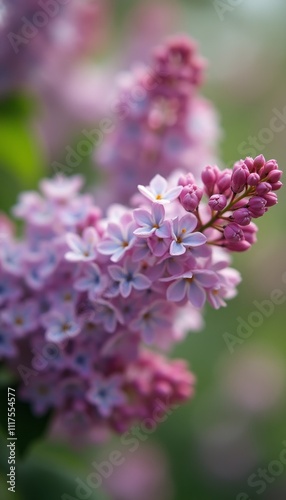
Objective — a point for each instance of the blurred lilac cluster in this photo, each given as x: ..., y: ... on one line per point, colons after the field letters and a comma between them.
x: 82, y: 294
x: 161, y: 124
x: 42, y: 36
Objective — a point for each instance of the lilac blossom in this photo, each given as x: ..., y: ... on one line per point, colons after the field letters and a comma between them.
x: 152, y: 223
x: 119, y: 240
x: 151, y: 319
x: 129, y: 277
x: 7, y: 345
x: 159, y: 191
x: 60, y: 325
x: 183, y: 235
x: 21, y: 317
x: 106, y: 394
x: 82, y: 249
x: 107, y: 314
x: 191, y: 285
x: 86, y: 318
x: 92, y: 281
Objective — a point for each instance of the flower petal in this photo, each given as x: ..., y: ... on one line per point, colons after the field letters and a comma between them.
x: 158, y: 184
x: 194, y: 240
x: 177, y: 291
x: 177, y: 248
x: 196, y: 295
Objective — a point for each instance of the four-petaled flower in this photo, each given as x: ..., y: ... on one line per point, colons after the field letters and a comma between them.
x: 82, y: 249
x: 159, y: 191
x: 191, y: 285
x: 60, y: 325
x: 120, y: 240
x: 183, y: 236
x: 92, y: 282
x: 106, y: 394
x: 129, y: 277
x: 150, y: 320
x: 152, y: 223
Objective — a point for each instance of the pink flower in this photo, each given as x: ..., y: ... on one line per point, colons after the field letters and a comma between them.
x: 159, y: 192
x: 106, y: 394
x: 129, y: 277
x: 152, y: 223
x: 191, y: 285
x: 183, y: 236
x: 119, y: 240
x: 82, y: 249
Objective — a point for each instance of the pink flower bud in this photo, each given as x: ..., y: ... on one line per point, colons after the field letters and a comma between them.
x: 250, y: 233
x: 242, y: 216
x: 233, y: 232
x: 259, y: 162
x: 190, y: 197
x: 217, y: 202
x: 253, y: 179
x: 274, y: 176
x: 186, y: 180
x: 249, y: 162
x: 209, y: 177
x: 276, y: 186
x: 256, y: 206
x: 263, y: 188
x: 271, y: 199
x: 238, y: 246
x: 269, y: 166
x: 224, y: 180
x: 239, y: 178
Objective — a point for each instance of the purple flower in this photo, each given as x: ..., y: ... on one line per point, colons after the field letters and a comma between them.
x: 92, y: 281
x: 7, y: 346
x: 152, y: 223
x: 159, y: 192
x: 120, y: 240
x: 81, y: 360
x: 9, y: 290
x: 60, y: 325
x: 82, y: 249
x: 106, y: 394
x: 61, y: 188
x: 159, y: 246
x: 21, y: 317
x: 106, y: 313
x: 192, y: 285
x: 183, y: 235
x: 129, y: 277
x: 41, y: 392
x: 11, y: 257
x: 151, y: 319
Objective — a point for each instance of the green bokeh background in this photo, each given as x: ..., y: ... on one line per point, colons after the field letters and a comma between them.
x: 246, y: 81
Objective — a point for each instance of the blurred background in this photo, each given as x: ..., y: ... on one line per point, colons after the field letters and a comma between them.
x: 53, y: 89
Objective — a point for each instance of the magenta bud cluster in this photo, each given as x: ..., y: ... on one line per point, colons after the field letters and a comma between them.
x: 238, y: 196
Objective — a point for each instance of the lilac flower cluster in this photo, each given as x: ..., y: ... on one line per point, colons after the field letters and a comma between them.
x: 36, y: 35
x: 80, y: 294
x: 162, y: 123
x: 66, y: 316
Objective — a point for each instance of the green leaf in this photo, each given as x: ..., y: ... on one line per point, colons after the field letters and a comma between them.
x: 19, y: 151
